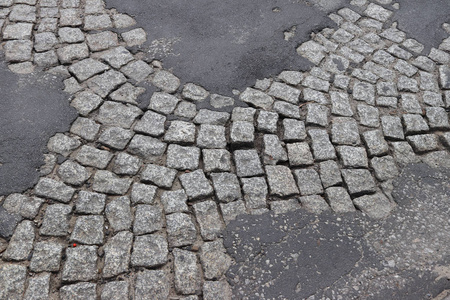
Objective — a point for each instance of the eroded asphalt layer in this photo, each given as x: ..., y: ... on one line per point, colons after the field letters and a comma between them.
x: 134, y: 200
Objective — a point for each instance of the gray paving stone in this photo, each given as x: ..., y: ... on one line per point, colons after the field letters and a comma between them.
x: 27, y: 207
x: 194, y: 92
x: 413, y: 45
x: 384, y: 168
x: 424, y: 63
x: 314, y: 204
x: 414, y: 123
x: 217, y: 290
x: 206, y: 116
x: 230, y: 211
x: 376, y: 206
x: 255, y: 192
x: 216, y: 160
x: 182, y: 158
x: 49, y: 23
x: 38, y: 287
x: 219, y: 101
x: 392, y: 127
x: 257, y: 98
x: 375, y: 143
x: 46, y: 59
x: 152, y: 282
x: 267, y: 121
x: 166, y: 81
x: 315, y: 96
x: 18, y: 31
x: 245, y: 114
x: 339, y: 200
x: 428, y: 82
x: 146, y: 147
x: 410, y: 104
x: 273, y: 150
x: 361, y: 46
x: 24, y: 13
x: 291, y: 77
x: 105, y: 83
x: 284, y: 206
x: 281, y: 182
x: 181, y: 230
x: 85, y: 102
x: 316, y: 83
x: 90, y: 202
x: 53, y: 189
x: 406, y: 84
x: 364, y: 91
x: 423, y: 142
x: 321, y: 145
x: 174, y: 201
x: 151, y: 123
x: 341, y: 81
x: 72, y: 52
x: 396, y: 51
x: 115, y: 290
x: 284, y: 92
x: 134, y: 37
x: 70, y: 17
x: 73, y: 173
x: 242, y: 132
x: 187, y: 274
x: 380, y: 71
x: 108, y: 183
x: 340, y: 104
x: 163, y: 103
x: 394, y: 35
x: 209, y: 219
x: 308, y: 181
x: 437, y: 118
x: 370, y: 24
x: 404, y: 153
x: 21, y: 243
x: 317, y: 114
x: 433, y: 99
x: 352, y: 55
x: 353, y: 157
x: 90, y: 156
x: 62, y: 144
x: 287, y: 110
x: 83, y: 290
x: 88, y: 230
x: 158, y: 175
x: 437, y: 159
x: 439, y: 56
x: 247, y: 163
x: 118, y: 114
x: 352, y: 28
x: 186, y: 109
x: 138, y: 70
x: 115, y: 57
x: 313, y: 51
x: 358, y: 181
x: 70, y: 35
x: 344, y: 131
x: 126, y: 164
x: 118, y: 213
x: 97, y: 22
x: 87, y: 68
x: 81, y: 264
x: 117, y: 254
x: 149, y: 251
x: 342, y: 36
x: 127, y: 93
x: 211, y: 136
x: 299, y: 154
x: 143, y: 194
x: 196, y: 185
x: 368, y: 115
x: 444, y: 76
x: 56, y: 220
x: 214, y: 259
x: 181, y: 132
x: 293, y: 130
x: 85, y: 128
x: 147, y: 219
x: 336, y: 64
x: 405, y: 68
x: 12, y: 281
x: 226, y: 186
x: 330, y: 174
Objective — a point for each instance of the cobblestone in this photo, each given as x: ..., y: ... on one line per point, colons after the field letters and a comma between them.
x: 149, y: 251
x: 281, y: 182
x: 181, y: 230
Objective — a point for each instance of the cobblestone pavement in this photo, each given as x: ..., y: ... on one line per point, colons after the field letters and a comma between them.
x: 133, y: 200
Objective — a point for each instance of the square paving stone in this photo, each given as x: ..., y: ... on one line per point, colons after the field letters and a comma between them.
x: 88, y: 230
x: 284, y: 92
x: 166, y: 81
x: 281, y: 181
x: 158, y: 175
x: 126, y: 164
x: 242, y: 132
x: 196, y: 185
x: 152, y: 282
x: 245, y: 114
x: 183, y: 158
x: 217, y: 289
x: 56, y: 220
x: 12, y: 281
x: 115, y: 290
x: 38, y: 287
x: 376, y: 206
x: 151, y: 123
x: 255, y: 192
x: 404, y: 153
x: 209, y: 219
x: 143, y: 193
x: 257, y: 98
x: 138, y: 70
x: 63, y: 144
x: 315, y: 96
x: 267, y: 121
x: 247, y: 163
x: 115, y: 137
x: 410, y: 104
x: 81, y: 264
x: 339, y: 200
x: 359, y: 181
x: 211, y: 136
x: 146, y: 147
x: 93, y: 157
x: 174, y: 201
x: 117, y: 254
x: 118, y: 213
x: 368, y: 115
x: 384, y: 168
x: 226, y: 186
x: 308, y: 181
x: 317, y: 114
x: 340, y: 104
x: 187, y: 274
x: 216, y: 160
x: 83, y: 290
x: 21, y: 243
x: 214, y: 259
x: 186, y: 110
x: 149, y: 251
x: 321, y: 145
x: 73, y: 173
x: 85, y: 102
x: 147, y: 219
x: 432, y: 99
x: 353, y: 157
x: 118, y: 114
x: 27, y: 207
x: 87, y: 68
x: 365, y: 92
x: 392, y: 127
x: 423, y: 142
x: 437, y: 118
x: 18, y: 50
x: 314, y: 204
x: 273, y: 150
x: 299, y: 154
x: 284, y: 206
x: 206, y: 116
x: 85, y: 128
x: 180, y: 132
x: 108, y: 183
x: 287, y: 110
x: 375, y: 142
x: 330, y: 174
x: 163, y: 103
x: 344, y: 131
x: 414, y: 124
x: 293, y: 130
x: 230, y: 211
x: 181, y: 230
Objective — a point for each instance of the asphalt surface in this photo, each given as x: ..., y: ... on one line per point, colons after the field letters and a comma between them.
x: 298, y: 255
x: 33, y: 108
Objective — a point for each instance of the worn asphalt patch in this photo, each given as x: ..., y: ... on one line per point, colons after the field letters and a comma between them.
x: 32, y: 109
x: 298, y: 255
x: 225, y: 45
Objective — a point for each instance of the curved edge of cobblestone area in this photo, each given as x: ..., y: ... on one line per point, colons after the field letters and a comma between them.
x: 138, y: 207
